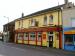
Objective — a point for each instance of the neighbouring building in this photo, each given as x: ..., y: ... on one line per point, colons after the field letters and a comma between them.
x: 69, y: 28
x: 8, y: 32
x: 1, y: 36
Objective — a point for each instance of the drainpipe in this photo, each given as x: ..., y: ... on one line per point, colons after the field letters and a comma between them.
x: 62, y: 28
x: 59, y: 26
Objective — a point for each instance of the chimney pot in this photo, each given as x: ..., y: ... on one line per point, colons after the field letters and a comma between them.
x: 66, y: 1
x: 22, y: 15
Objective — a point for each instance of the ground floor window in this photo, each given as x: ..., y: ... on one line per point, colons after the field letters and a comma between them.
x: 69, y: 39
x: 32, y: 36
x: 20, y: 36
x: 39, y: 36
x: 25, y: 36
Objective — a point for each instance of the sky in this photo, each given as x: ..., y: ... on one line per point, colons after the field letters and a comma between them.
x: 13, y: 9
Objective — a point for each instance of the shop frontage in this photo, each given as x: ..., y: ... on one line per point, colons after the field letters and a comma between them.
x: 69, y: 40
x: 38, y: 37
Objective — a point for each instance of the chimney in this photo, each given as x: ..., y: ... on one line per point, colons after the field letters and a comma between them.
x: 22, y: 15
x: 66, y: 1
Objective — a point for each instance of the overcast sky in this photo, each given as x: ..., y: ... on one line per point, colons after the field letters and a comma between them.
x: 14, y: 8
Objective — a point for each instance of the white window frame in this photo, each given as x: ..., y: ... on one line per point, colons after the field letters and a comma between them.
x: 39, y: 34
x: 33, y: 22
x: 51, y: 19
x: 19, y: 37
x: 31, y: 34
x: 45, y: 20
x: 25, y: 36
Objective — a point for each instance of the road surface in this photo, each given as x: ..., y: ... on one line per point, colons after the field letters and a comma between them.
x: 19, y: 50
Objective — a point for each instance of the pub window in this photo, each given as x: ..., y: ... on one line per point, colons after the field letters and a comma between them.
x: 25, y: 36
x: 51, y: 19
x: 33, y: 22
x: 69, y: 39
x: 45, y: 20
x: 19, y: 24
x: 36, y: 23
x: 19, y: 36
x: 39, y: 36
x: 32, y: 36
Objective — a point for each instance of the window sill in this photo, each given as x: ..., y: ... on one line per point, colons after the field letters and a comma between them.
x: 33, y: 26
x: 50, y: 24
x: 44, y: 25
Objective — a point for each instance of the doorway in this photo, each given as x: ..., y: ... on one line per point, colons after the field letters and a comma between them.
x: 50, y: 41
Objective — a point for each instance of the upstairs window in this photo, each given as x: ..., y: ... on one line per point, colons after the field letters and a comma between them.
x: 51, y: 19
x: 22, y: 24
x: 33, y: 22
x: 73, y: 22
x: 19, y: 24
x: 45, y: 20
x: 36, y: 23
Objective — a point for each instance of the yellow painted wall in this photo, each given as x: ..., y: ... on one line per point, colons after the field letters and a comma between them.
x: 44, y: 41
x: 55, y: 42
x: 39, y: 43
x: 25, y: 42
x: 32, y: 42
x: 56, y: 18
x: 40, y: 19
x: 19, y: 41
x: 16, y: 25
x: 26, y: 23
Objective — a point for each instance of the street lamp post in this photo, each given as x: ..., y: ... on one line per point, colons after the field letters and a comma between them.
x: 7, y: 29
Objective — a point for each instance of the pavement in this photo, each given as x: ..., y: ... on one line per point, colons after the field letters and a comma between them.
x: 12, y: 49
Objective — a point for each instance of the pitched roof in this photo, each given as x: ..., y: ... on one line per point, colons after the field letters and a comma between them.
x: 10, y: 23
x: 45, y: 10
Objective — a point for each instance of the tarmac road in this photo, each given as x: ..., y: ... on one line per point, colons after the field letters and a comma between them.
x: 20, y: 50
